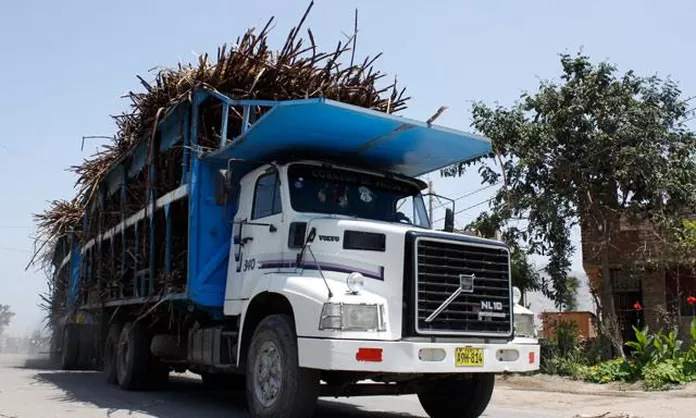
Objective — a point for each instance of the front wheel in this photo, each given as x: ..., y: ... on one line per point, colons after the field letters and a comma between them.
x: 276, y: 385
x: 457, y: 398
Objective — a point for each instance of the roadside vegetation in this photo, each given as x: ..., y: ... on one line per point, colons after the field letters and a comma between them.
x: 5, y: 317
x: 659, y: 360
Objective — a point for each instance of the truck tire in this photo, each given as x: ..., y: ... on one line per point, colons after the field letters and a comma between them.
x: 133, y: 357
x: 54, y: 354
x: 70, y: 350
x: 453, y: 398
x: 87, y: 350
x: 111, y: 354
x: 276, y: 385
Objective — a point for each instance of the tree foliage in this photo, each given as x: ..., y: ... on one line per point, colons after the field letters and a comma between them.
x: 594, y: 147
x: 5, y: 317
x: 569, y: 300
x: 524, y: 273
x: 685, y: 241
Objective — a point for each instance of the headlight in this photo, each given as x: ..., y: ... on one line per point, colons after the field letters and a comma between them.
x: 524, y: 326
x: 352, y: 317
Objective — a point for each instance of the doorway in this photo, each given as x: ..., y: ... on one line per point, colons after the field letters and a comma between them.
x: 628, y: 302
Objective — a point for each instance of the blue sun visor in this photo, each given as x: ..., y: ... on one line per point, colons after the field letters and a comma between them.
x: 326, y: 129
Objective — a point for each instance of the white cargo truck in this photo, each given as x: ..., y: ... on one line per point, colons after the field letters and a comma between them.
x: 312, y: 268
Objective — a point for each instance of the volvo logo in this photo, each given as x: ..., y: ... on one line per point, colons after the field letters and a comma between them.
x: 329, y: 238
x: 466, y: 285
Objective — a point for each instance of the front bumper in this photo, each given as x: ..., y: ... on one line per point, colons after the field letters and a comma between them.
x: 409, y: 356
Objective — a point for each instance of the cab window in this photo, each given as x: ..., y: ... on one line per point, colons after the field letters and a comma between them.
x: 266, y: 197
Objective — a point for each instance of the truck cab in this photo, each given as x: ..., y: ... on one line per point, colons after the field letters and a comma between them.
x: 374, y: 291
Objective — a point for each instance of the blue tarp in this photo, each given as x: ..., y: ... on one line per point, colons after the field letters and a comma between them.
x: 320, y: 127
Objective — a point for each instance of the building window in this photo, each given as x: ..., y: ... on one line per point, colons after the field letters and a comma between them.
x: 625, y: 281
x: 688, y: 287
x: 681, y: 285
x: 267, y: 197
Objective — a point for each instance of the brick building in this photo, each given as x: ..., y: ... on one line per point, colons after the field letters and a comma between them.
x: 661, y: 292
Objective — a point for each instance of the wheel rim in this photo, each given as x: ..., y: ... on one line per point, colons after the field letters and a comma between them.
x: 268, y: 373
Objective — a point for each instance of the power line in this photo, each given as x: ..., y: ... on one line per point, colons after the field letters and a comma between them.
x: 469, y: 207
x: 469, y: 194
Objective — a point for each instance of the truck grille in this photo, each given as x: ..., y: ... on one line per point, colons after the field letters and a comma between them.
x: 483, y: 310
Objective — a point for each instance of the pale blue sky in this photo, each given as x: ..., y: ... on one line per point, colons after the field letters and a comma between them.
x: 64, y: 65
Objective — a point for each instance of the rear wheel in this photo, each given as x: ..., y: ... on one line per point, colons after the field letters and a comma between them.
x: 54, y: 354
x: 70, y: 350
x: 276, y: 385
x: 111, y: 353
x: 133, y: 357
x: 87, y: 350
x: 457, y: 398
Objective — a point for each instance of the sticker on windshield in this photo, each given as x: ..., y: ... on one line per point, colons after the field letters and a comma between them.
x: 365, y: 194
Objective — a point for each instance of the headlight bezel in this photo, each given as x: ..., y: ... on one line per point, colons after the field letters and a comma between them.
x: 336, y: 316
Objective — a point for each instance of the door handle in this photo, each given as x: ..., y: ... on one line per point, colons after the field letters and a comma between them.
x: 247, y: 239
x: 271, y: 227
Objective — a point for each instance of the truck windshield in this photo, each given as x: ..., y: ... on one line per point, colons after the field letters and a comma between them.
x: 316, y: 189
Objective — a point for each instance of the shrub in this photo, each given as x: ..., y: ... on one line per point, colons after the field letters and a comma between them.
x: 658, y: 360
x: 562, y: 355
x: 657, y: 375
x: 655, y: 348
x: 608, y: 371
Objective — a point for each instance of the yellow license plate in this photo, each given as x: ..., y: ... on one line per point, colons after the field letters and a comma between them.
x: 468, y: 357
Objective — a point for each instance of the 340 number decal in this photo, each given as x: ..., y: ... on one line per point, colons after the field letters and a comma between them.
x: 249, y: 264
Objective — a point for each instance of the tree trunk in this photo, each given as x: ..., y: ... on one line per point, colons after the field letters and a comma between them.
x: 610, y: 322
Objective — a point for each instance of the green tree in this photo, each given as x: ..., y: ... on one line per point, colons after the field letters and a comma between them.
x: 523, y: 273
x: 5, y: 317
x: 687, y: 240
x: 569, y: 297
x: 591, y: 149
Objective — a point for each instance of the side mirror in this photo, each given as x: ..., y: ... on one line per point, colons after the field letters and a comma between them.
x: 223, y: 186
x: 449, y: 220
x: 229, y: 181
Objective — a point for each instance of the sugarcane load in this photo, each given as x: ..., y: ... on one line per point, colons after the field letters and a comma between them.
x: 259, y: 220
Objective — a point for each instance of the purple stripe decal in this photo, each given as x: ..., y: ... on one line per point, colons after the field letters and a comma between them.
x: 310, y: 265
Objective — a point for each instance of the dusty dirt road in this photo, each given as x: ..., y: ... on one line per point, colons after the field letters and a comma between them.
x: 33, y: 388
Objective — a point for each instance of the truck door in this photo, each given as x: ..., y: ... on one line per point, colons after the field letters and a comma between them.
x: 257, y: 238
